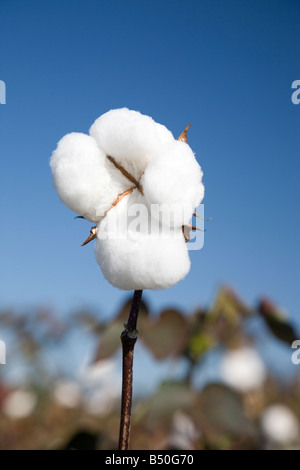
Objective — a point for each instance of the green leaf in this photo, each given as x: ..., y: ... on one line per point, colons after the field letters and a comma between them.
x: 199, y: 344
x: 170, y: 397
x: 229, y: 306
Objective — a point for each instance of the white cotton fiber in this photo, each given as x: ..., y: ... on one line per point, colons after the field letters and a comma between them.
x: 140, y: 244
x: 139, y: 257
x: 172, y: 180
x: 236, y: 375
x: 279, y: 424
x: 83, y: 177
x: 130, y: 137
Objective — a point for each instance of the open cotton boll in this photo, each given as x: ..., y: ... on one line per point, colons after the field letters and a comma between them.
x: 132, y: 252
x: 19, y: 404
x: 172, y: 180
x: 84, y: 178
x: 67, y: 393
x: 243, y: 369
x: 130, y: 137
x: 279, y: 424
x: 129, y: 159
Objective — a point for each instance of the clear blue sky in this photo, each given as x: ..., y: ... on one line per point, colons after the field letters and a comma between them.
x: 227, y: 66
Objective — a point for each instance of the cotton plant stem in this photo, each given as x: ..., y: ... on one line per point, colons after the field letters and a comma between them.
x: 128, y: 339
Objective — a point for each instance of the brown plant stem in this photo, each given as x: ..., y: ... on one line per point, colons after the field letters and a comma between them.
x: 128, y: 339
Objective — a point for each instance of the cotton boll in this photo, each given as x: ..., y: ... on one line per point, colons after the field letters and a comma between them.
x: 19, y: 404
x: 100, y: 402
x: 67, y: 393
x: 243, y: 369
x: 172, y: 183
x: 84, y: 178
x: 130, y: 137
x: 99, y: 372
x: 183, y: 432
x: 148, y: 251
x: 279, y: 424
x: 144, y: 264
x: 135, y: 253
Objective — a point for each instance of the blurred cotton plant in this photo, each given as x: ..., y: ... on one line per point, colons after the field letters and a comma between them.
x: 45, y: 405
x: 96, y: 387
x: 183, y: 432
x: 19, y: 404
x: 102, y: 387
x: 243, y: 369
x: 130, y: 165
x: 67, y: 393
x: 279, y: 425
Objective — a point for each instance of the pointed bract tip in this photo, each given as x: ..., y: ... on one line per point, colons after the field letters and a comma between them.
x: 183, y: 135
x: 92, y: 236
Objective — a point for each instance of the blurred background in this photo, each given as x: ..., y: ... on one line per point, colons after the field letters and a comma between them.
x: 213, y: 364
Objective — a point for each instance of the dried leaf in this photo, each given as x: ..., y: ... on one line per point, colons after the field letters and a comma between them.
x: 171, y: 396
x: 109, y: 341
x: 228, y: 304
x: 167, y: 335
x: 183, y: 135
x: 276, y: 321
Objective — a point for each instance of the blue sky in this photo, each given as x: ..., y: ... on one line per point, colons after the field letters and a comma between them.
x: 226, y: 66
